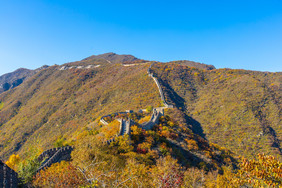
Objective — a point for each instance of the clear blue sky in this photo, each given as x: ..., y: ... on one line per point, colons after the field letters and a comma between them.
x: 233, y: 33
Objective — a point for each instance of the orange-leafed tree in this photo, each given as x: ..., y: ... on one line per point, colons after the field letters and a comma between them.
x: 62, y: 174
x: 265, y: 170
x: 167, y: 173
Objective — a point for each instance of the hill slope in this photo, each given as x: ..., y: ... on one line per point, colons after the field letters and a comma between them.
x: 237, y: 109
x: 55, y: 103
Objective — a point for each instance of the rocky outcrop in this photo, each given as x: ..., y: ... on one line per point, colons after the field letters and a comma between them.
x: 8, y: 177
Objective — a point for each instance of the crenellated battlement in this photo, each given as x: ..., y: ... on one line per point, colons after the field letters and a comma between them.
x: 8, y: 177
x: 54, y: 155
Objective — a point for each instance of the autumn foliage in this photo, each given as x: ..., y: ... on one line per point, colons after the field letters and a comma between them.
x: 62, y: 174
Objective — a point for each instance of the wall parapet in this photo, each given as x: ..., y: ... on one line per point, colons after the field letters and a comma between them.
x: 159, y: 87
x: 54, y: 155
x: 8, y: 177
x: 124, y: 129
x: 153, y: 120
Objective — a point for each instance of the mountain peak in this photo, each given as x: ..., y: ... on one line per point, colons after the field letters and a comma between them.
x: 113, y: 57
x: 194, y: 64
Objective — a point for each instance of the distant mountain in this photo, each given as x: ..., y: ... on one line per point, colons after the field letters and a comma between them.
x: 112, y: 58
x: 14, y: 79
x: 194, y: 64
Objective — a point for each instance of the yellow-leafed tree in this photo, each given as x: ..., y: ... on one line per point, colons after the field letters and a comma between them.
x: 13, y: 161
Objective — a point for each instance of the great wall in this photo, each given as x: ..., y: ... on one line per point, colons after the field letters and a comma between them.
x: 157, y: 112
x: 78, y: 67
x: 9, y: 178
x: 54, y: 155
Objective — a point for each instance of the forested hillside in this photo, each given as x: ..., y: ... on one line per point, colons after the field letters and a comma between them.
x: 237, y: 109
x: 55, y: 103
x: 214, y: 127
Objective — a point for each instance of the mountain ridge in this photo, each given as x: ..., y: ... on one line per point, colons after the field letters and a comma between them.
x: 54, y: 97
x: 13, y: 79
x: 215, y: 116
x: 113, y: 57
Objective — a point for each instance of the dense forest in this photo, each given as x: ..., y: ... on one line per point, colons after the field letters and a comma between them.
x: 224, y: 129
